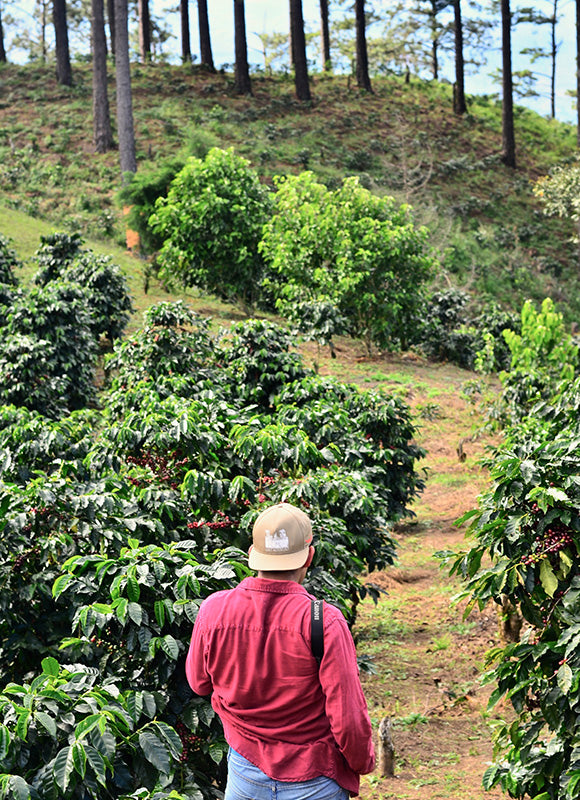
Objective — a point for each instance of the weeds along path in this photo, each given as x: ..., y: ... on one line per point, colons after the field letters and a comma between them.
x: 428, y: 658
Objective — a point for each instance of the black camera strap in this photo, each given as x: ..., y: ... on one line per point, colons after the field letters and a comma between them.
x: 316, y: 630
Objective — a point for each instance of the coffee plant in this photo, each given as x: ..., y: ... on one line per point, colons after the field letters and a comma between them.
x: 450, y: 331
x: 56, y: 357
x: 117, y: 520
x: 9, y: 262
x: 526, y: 558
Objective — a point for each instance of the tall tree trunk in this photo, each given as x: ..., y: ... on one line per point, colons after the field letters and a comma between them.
x: 111, y: 16
x: 325, y: 36
x: 434, y: 41
x: 185, y: 38
x: 508, y: 155
x: 298, y: 49
x: 2, y: 48
x: 144, y: 31
x: 102, y: 133
x: 41, y: 6
x: 459, y: 94
x: 63, y: 68
x: 204, y: 37
x: 242, y: 76
x: 578, y: 73
x: 362, y: 61
x: 553, y: 22
x: 291, y: 59
x: 125, y: 128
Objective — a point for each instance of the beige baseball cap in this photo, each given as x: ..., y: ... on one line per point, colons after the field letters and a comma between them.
x: 282, y: 536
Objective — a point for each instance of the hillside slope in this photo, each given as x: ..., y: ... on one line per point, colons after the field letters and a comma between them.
x: 403, y: 140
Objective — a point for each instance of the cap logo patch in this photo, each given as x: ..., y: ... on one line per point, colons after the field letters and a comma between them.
x: 277, y: 541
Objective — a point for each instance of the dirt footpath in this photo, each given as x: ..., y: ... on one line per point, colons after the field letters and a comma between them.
x: 428, y: 658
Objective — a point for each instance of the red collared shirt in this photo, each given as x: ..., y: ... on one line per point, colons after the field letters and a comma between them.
x: 295, y: 721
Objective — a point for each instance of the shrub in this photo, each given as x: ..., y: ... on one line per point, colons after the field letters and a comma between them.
x: 110, y: 302
x: 542, y: 357
x: 116, y: 523
x: 211, y: 223
x: 62, y: 257
x: 525, y: 557
x: 260, y: 361
x: 56, y: 314
x: 174, y: 341
x: 451, y: 333
x: 359, y: 251
x: 56, y: 252
x: 9, y: 262
x: 140, y: 195
x: 30, y: 375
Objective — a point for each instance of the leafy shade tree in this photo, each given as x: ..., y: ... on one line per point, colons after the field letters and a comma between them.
x: 298, y: 51
x: 63, y: 67
x: 211, y: 223
x: 362, y: 60
x: 102, y: 132
x: 351, y: 248
x: 508, y: 155
x: 206, y: 57
x: 125, y: 127
x: 243, y: 82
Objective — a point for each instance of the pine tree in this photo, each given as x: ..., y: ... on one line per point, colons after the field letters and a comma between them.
x: 125, y: 128
x: 508, y: 155
x: 459, y: 105
x: 325, y: 36
x: 185, y: 37
x: 242, y: 71
x: 362, y: 61
x: 206, y: 56
x: 102, y: 133
x: 298, y: 48
x: 63, y: 67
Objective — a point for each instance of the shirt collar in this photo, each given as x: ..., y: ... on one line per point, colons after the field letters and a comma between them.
x: 277, y: 587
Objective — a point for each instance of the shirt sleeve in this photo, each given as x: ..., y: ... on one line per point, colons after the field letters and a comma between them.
x: 195, y: 664
x: 346, y: 707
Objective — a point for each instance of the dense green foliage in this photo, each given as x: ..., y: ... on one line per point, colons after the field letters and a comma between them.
x: 49, y: 334
x: 353, y: 249
x: 9, y: 262
x: 62, y: 257
x: 48, y: 349
x: 117, y: 522
x: 528, y: 525
x: 450, y: 332
x: 211, y: 223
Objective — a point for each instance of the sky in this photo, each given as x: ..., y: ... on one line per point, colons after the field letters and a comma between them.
x: 266, y: 16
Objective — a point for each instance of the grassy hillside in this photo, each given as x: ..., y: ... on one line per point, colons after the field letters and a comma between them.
x: 403, y: 140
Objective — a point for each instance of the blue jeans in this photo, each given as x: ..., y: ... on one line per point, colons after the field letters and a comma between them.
x: 247, y: 782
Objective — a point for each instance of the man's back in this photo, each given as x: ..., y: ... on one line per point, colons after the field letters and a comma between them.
x: 294, y: 720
